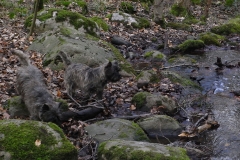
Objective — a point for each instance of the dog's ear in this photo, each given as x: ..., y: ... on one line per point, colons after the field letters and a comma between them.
x: 109, y: 64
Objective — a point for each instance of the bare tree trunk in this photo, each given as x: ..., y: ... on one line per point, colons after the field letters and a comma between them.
x: 34, y: 17
x: 206, y: 8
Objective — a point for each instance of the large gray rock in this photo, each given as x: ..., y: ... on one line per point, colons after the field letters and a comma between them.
x: 116, y: 129
x: 21, y: 139
x: 145, y: 101
x: 160, y: 125
x: 80, y: 49
x: 128, y: 150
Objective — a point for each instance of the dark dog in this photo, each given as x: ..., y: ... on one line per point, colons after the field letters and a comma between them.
x: 33, y: 90
x: 89, y: 80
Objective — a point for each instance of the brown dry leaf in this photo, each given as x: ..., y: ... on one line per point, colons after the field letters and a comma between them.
x: 132, y: 107
x: 59, y: 93
x: 30, y: 38
x: 37, y: 142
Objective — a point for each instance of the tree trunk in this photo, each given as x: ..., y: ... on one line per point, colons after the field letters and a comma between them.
x: 34, y: 17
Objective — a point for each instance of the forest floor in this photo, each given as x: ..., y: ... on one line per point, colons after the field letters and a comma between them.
x: 117, y: 96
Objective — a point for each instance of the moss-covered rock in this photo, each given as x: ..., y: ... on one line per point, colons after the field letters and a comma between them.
x: 211, y: 38
x: 61, y: 16
x: 116, y: 129
x: 176, y: 78
x: 168, y: 126
x: 132, y: 150
x: 178, y: 10
x: 233, y: 26
x: 21, y: 139
x: 139, y: 99
x: 191, y: 45
x: 101, y: 23
x: 142, y: 23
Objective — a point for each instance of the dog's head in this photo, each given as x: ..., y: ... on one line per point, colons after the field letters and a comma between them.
x: 112, y: 70
x: 50, y: 113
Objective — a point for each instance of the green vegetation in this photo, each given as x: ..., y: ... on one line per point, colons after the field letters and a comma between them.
x: 196, y: 1
x: 140, y: 99
x: 211, y: 38
x: 191, y: 45
x: 19, y: 140
x: 142, y: 23
x: 75, y: 19
x: 233, y: 26
x: 127, y: 7
x: 65, y: 31
x: 178, y: 10
x: 148, y: 54
x: 229, y: 3
x: 101, y: 23
x: 175, y: 78
x: 80, y: 3
x: 140, y: 134
x: 131, y: 153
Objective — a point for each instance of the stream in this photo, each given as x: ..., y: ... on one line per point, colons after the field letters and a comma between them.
x: 225, y: 140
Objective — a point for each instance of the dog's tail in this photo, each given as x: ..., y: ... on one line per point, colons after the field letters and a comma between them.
x: 23, y: 58
x: 64, y: 57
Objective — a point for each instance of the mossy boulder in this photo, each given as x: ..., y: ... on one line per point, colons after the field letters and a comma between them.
x: 146, y: 77
x: 21, y: 139
x: 155, y: 55
x: 176, y: 78
x: 160, y: 126
x: 52, y: 19
x: 190, y: 45
x: 132, y: 150
x: 233, y: 26
x: 211, y: 38
x: 145, y: 101
x: 116, y: 129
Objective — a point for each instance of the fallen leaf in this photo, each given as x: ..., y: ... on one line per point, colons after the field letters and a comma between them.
x: 132, y: 107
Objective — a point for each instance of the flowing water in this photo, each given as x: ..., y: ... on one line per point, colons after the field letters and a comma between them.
x: 225, y: 141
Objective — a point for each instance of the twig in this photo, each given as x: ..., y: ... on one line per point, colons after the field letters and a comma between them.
x: 74, y: 100
x: 202, y: 118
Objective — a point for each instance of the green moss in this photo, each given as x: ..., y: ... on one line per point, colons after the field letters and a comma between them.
x: 160, y: 56
x: 229, y: 3
x: 154, y: 78
x: 180, y: 26
x: 75, y: 19
x: 64, y: 104
x: 109, y: 16
x: 126, y: 7
x: 142, y: 23
x: 126, y: 66
x: 101, y: 23
x: 64, y: 3
x: 178, y: 10
x: 128, y: 153
x: 196, y: 1
x: 140, y: 134
x: 233, y: 26
x: 140, y: 99
x: 123, y: 135
x: 190, y: 20
x: 191, y: 45
x: 65, y: 31
x: 148, y: 54
x: 175, y: 78
x: 19, y: 141
x: 211, y: 38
